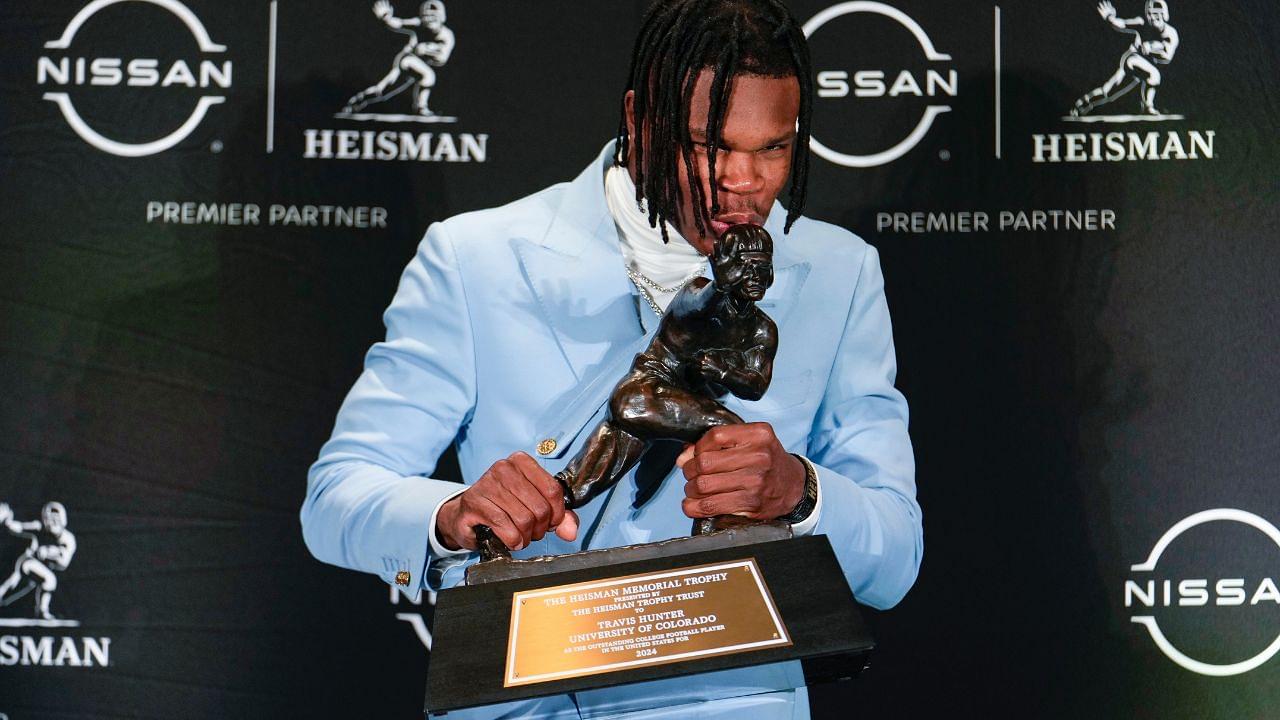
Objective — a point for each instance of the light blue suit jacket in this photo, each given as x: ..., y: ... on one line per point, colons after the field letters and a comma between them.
x: 511, y: 325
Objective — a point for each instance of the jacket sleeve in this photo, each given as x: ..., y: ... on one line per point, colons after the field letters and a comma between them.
x: 370, y: 496
x: 859, y: 444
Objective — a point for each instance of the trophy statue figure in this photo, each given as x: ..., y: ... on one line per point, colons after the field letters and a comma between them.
x: 712, y: 340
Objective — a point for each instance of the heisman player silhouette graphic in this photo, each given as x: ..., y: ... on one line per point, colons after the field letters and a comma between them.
x: 51, y: 549
x: 1154, y: 43
x: 413, y: 65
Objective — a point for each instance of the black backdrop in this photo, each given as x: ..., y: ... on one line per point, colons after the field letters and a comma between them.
x: 1076, y: 391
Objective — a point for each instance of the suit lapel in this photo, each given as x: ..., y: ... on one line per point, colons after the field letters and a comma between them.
x: 782, y: 295
x: 789, y: 271
x: 576, y: 273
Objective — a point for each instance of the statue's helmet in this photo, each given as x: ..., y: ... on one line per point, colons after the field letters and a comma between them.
x: 743, y: 238
x: 54, y: 516
x: 742, y: 261
x: 432, y: 11
x: 1157, y: 9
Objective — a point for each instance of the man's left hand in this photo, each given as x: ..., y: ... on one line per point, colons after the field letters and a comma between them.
x: 740, y: 470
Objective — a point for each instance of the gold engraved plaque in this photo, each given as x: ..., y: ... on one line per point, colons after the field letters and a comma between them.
x: 648, y: 619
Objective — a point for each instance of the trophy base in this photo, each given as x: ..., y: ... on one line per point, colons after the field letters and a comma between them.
x: 735, y: 598
x: 511, y: 569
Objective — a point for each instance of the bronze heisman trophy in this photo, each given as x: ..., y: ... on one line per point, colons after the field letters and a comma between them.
x: 712, y: 340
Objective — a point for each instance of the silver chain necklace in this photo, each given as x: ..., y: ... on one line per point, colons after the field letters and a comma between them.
x: 639, y: 279
x: 649, y: 299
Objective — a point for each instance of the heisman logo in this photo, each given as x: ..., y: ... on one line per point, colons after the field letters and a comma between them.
x: 1199, y: 592
x: 1154, y: 43
x: 50, y: 550
x: 430, y: 45
x: 870, y: 83
x: 411, y: 68
x: 69, y: 70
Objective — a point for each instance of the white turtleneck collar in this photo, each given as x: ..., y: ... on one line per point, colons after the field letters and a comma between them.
x: 667, y: 264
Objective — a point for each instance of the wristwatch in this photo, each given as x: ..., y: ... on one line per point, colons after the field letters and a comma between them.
x: 810, y: 497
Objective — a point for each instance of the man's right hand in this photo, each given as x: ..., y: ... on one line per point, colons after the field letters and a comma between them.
x: 515, y: 497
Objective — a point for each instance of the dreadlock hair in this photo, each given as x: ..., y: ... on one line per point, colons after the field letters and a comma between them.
x: 678, y: 39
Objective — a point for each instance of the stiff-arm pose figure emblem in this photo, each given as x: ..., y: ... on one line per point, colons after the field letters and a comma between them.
x: 52, y: 547
x: 413, y: 64
x: 1154, y: 43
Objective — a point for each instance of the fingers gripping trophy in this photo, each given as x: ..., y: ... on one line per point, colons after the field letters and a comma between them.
x: 712, y: 341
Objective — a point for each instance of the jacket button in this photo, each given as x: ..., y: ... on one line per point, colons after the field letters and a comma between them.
x: 402, y: 577
x: 546, y: 447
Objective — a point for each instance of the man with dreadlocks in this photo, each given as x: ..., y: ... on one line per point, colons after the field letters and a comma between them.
x: 512, y: 325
